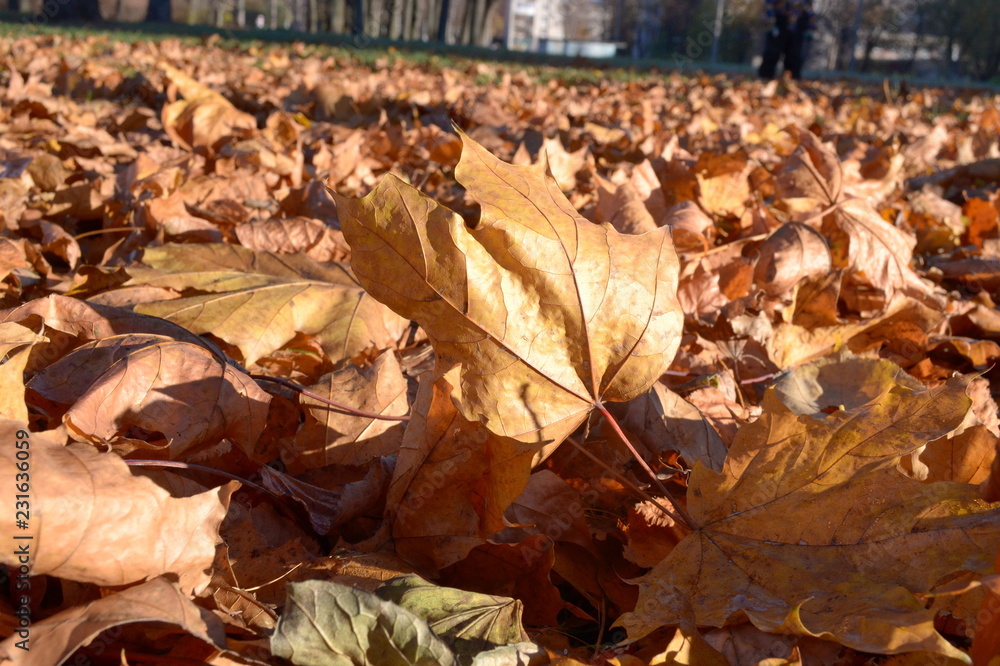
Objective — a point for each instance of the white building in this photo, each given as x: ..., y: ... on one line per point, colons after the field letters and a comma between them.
x: 560, y: 27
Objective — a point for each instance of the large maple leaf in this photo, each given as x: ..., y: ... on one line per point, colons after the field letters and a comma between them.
x: 811, y: 529
x: 547, y: 313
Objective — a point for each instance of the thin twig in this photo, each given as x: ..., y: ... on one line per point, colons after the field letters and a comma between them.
x: 272, y: 582
x: 762, y: 378
x: 624, y: 480
x: 326, y: 401
x: 112, y: 230
x: 685, y: 516
x: 248, y: 598
x: 176, y: 464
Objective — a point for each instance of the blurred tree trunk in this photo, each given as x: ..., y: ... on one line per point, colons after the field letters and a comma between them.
x: 373, y: 27
x: 918, y: 35
x: 241, y: 13
x: 158, y: 11
x: 468, y: 19
x: 427, y: 11
x: 478, y: 22
x: 299, y: 15
x: 313, y: 15
x: 484, y: 36
x: 338, y: 16
x: 272, y: 14
x: 396, y: 18
x: 442, y: 27
x: 409, y: 7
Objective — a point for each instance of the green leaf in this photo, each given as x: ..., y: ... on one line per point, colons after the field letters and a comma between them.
x: 328, y: 624
x: 471, y: 622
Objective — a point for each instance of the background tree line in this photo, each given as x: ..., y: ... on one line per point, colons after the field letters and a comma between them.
x: 932, y: 37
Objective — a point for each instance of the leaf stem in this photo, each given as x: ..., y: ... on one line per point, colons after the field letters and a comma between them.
x: 110, y: 230
x: 684, y: 515
x: 624, y: 481
x: 176, y: 464
x: 326, y: 401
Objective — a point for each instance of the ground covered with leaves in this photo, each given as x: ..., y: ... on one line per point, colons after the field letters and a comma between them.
x: 781, y: 297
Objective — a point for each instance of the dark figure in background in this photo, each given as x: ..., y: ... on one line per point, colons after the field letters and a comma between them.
x: 788, y: 24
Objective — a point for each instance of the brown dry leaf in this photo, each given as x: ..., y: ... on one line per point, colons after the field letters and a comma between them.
x: 16, y: 342
x: 547, y: 314
x: 820, y: 533
x: 560, y: 163
x: 720, y: 276
x: 170, y: 216
x: 690, y: 227
x: 203, y: 116
x: 295, y: 234
x: 810, y: 178
x: 331, y: 508
x: 550, y: 506
x: 69, y: 322
x: 984, y: 220
x: 878, y: 256
x: 333, y: 437
x: 56, y: 240
x: 55, y: 639
x: 623, y: 208
x: 94, y: 522
x: 453, y: 481
x: 665, y: 422
x: 176, y: 394
x: 259, y: 300
x: 841, y: 381
x: 689, y: 648
x: 792, y: 253
x: 723, y: 184
x: 965, y: 457
x: 646, y: 184
x: 815, y: 302
x: 520, y: 571
x: 651, y: 535
x: 903, y: 328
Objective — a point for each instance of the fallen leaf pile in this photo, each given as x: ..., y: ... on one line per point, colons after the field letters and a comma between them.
x: 319, y: 362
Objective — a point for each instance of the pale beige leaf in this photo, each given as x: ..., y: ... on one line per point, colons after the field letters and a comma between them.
x: 156, y: 385
x: 69, y: 322
x: 16, y: 341
x: 93, y: 521
x: 259, y: 300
